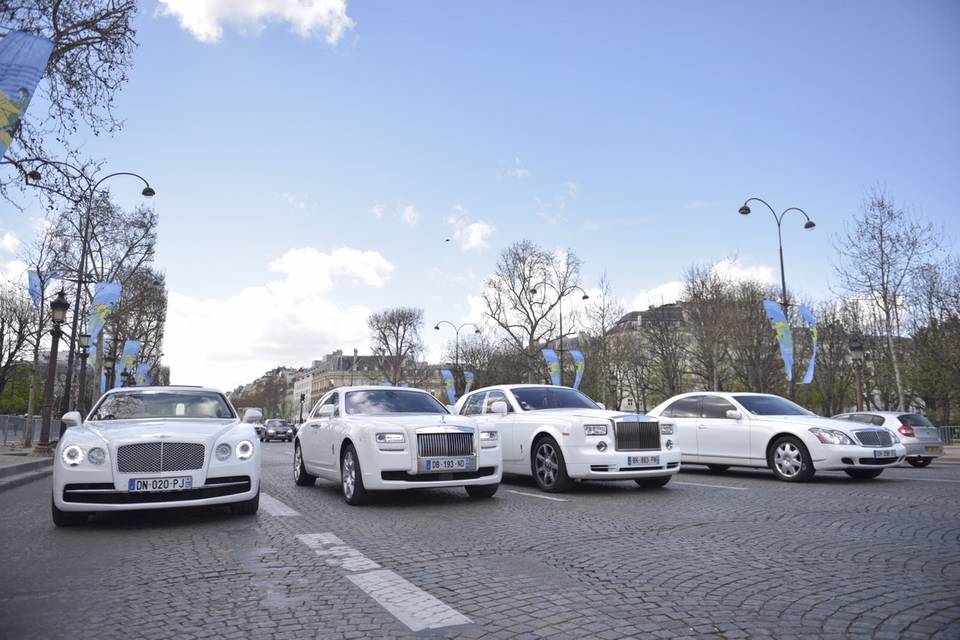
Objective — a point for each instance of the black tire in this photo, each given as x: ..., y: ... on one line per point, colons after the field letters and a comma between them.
x: 718, y: 468
x: 790, y: 461
x: 67, y: 518
x: 548, y: 466
x: 480, y: 491
x: 863, y: 474
x: 300, y: 475
x: 351, y: 478
x: 653, y: 483
x: 247, y: 507
x: 919, y: 463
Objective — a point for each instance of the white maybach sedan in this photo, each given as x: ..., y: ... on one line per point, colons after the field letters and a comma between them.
x: 722, y: 430
x: 155, y: 448
x: 557, y: 435
x: 377, y: 438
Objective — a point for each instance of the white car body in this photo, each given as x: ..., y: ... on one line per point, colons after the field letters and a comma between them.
x: 586, y: 457
x: 422, y: 440
x: 134, y: 452
x: 746, y: 440
x: 919, y: 436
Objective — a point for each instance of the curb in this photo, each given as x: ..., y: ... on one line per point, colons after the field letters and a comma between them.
x: 12, y: 481
x: 22, y: 467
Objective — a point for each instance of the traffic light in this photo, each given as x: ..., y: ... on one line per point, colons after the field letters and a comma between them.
x: 303, y: 398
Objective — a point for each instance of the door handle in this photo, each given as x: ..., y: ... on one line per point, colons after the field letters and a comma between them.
x: 701, y: 426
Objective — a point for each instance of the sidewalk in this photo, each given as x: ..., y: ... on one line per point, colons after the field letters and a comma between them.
x: 18, y: 467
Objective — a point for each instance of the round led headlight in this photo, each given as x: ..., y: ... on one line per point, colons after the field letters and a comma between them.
x: 72, y: 455
x: 97, y: 455
x: 223, y: 451
x: 244, y: 449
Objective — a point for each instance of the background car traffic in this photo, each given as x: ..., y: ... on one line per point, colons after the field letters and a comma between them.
x: 919, y: 436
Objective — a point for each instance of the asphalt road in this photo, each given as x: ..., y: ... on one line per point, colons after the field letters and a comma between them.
x: 733, y: 555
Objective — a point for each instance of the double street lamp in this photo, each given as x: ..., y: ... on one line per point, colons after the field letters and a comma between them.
x: 58, y: 313
x: 560, y: 296
x: 456, y: 330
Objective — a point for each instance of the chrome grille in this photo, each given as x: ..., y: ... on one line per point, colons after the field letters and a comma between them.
x: 430, y: 445
x: 874, y: 438
x: 637, y: 436
x: 156, y: 457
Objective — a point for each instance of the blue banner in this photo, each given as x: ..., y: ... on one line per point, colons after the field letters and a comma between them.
x: 784, y: 335
x: 450, y: 384
x: 581, y: 365
x: 23, y: 59
x: 808, y: 316
x: 127, y: 362
x: 105, y: 296
x: 143, y: 374
x: 469, y: 377
x: 553, y: 365
x: 33, y: 284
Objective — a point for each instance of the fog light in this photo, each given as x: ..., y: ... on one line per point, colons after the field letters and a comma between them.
x: 668, y: 444
x: 601, y: 446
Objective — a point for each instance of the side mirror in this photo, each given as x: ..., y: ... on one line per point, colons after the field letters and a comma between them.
x: 452, y: 408
x: 500, y: 408
x: 253, y: 416
x: 72, y: 419
x: 601, y: 405
x: 327, y: 411
x: 733, y: 414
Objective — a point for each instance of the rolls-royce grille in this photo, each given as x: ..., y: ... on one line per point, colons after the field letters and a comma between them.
x: 874, y: 438
x: 637, y: 436
x: 430, y: 445
x: 156, y: 457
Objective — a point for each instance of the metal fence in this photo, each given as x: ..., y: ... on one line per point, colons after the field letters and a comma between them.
x: 950, y: 435
x: 13, y: 428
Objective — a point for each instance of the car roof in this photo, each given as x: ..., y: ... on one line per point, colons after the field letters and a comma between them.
x: 881, y: 413
x: 169, y: 387
x: 377, y: 387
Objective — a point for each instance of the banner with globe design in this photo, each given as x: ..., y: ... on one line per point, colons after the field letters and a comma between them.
x: 127, y: 362
x: 553, y: 365
x: 784, y: 336
x: 450, y: 385
x: 807, y: 314
x: 105, y: 296
x: 23, y: 59
x: 469, y: 378
x: 581, y: 365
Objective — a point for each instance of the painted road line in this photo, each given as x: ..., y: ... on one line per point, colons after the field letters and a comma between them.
x: 712, y: 486
x: 336, y: 553
x: 274, y: 507
x: 537, y: 495
x: 408, y: 603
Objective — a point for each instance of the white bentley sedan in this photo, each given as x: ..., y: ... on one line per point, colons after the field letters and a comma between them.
x: 557, y: 435
x: 722, y: 430
x: 381, y: 438
x: 155, y: 448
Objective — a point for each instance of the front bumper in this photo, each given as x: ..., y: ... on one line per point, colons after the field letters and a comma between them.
x: 385, y: 470
x: 585, y: 462
x: 838, y: 457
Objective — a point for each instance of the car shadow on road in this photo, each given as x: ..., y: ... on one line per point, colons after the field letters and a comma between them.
x: 765, y: 475
x: 168, y: 518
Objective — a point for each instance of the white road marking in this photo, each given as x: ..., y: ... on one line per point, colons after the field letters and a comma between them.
x: 408, y: 603
x: 274, y: 507
x: 537, y: 495
x: 712, y: 486
x: 336, y: 552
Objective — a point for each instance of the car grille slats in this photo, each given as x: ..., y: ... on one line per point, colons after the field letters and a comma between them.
x: 157, y: 457
x: 874, y: 438
x: 438, y: 445
x: 637, y: 436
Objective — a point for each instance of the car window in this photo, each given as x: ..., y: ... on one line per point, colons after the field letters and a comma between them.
x: 767, y: 405
x: 387, y: 401
x: 496, y: 396
x: 715, y: 408
x: 842, y: 416
x: 865, y: 418
x: 473, y: 404
x: 539, y: 398
x: 684, y: 408
x: 162, y: 404
x: 914, y: 420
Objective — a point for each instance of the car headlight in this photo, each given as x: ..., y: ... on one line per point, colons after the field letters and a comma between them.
x: 72, y: 455
x: 594, y: 429
x: 97, y: 455
x: 666, y: 428
x: 223, y: 451
x: 831, y: 436
x: 489, y: 439
x: 390, y: 438
x: 244, y: 449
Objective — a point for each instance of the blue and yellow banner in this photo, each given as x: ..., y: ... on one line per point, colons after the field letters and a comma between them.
x: 581, y: 365
x: 469, y: 378
x: 553, y: 365
x: 105, y: 296
x: 450, y: 384
x: 143, y: 374
x: 23, y: 59
x: 811, y: 321
x: 127, y: 361
x: 784, y: 336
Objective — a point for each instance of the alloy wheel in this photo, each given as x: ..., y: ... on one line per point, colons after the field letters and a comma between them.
x: 547, y: 464
x: 788, y: 459
x: 297, y: 461
x: 349, y: 475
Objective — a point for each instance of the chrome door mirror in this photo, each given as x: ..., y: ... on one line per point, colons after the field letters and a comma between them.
x: 601, y: 405
x: 72, y: 419
x: 499, y: 408
x: 327, y: 411
x: 733, y: 414
x: 252, y: 416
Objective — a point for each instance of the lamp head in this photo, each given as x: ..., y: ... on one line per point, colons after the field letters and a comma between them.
x: 83, y: 340
x: 148, y: 192
x: 59, y: 308
x: 436, y: 328
x: 533, y: 291
x: 744, y: 210
x: 477, y: 330
x: 810, y: 224
x: 585, y: 297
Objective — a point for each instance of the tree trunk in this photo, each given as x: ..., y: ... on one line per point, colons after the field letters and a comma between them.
x: 894, y: 360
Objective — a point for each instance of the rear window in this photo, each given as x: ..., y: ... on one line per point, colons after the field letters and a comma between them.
x: 914, y: 420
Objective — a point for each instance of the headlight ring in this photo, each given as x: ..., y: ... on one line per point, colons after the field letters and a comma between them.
x: 72, y: 455
x: 244, y: 450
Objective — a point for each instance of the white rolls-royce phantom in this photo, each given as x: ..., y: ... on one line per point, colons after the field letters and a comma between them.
x: 155, y: 448
x: 381, y: 438
x: 557, y: 435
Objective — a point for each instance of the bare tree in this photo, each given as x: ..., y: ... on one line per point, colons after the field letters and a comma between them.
x: 17, y: 319
x: 396, y: 342
x: 603, y: 312
x: 707, y: 304
x: 834, y: 377
x: 664, y: 332
x: 756, y: 362
x: 879, y: 251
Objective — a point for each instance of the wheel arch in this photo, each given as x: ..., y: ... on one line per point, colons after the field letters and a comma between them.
x: 776, y: 436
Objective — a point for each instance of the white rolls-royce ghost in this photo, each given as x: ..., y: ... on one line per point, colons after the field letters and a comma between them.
x: 383, y: 438
x: 155, y: 448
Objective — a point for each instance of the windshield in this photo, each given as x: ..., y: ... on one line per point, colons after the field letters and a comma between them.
x: 914, y: 420
x: 771, y: 406
x: 537, y: 398
x: 383, y: 401
x: 162, y: 404
x: 277, y: 423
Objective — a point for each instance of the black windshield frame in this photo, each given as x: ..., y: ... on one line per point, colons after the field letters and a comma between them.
x: 549, y: 397
x: 190, y: 398
x: 424, y: 402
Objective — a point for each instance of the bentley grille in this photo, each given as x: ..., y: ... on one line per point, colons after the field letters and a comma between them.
x: 637, y: 436
x: 874, y: 438
x: 437, y: 445
x: 156, y: 457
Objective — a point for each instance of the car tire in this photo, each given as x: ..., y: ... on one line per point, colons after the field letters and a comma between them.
x: 300, y: 475
x: 351, y: 478
x: 919, y: 463
x: 481, y: 491
x: 863, y: 474
x: 548, y: 466
x: 67, y: 518
x: 718, y: 468
x: 247, y: 507
x: 790, y: 461
x: 653, y: 483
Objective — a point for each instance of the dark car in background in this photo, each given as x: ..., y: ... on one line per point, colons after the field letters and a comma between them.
x: 277, y: 429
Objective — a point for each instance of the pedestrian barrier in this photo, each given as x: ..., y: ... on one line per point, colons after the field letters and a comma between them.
x: 14, y: 429
x: 950, y: 435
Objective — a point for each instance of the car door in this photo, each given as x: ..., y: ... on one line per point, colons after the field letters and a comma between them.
x: 310, y: 437
x: 503, y: 423
x: 721, y: 439
x: 685, y: 413
x: 327, y: 435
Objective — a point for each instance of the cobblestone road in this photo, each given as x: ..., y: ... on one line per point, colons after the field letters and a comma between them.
x: 733, y: 555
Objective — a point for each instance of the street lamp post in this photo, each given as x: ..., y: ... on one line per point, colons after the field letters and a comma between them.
x: 58, y: 313
x: 110, y: 363
x: 84, y: 343
x: 560, y: 296
x: 456, y: 340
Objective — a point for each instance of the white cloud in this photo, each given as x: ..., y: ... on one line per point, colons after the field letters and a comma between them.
x: 733, y: 269
x: 227, y: 341
x: 293, y: 200
x: 571, y: 188
x: 410, y: 215
x: 471, y: 236
x: 518, y: 170
x: 662, y: 294
x: 378, y: 210
x: 555, y: 212
x: 205, y: 18
x: 9, y: 241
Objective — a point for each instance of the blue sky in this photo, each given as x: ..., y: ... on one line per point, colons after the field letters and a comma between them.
x: 630, y: 132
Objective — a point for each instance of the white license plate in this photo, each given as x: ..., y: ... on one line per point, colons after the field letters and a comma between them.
x: 933, y: 449
x: 141, y: 485
x: 884, y: 453
x: 441, y: 465
x: 633, y: 461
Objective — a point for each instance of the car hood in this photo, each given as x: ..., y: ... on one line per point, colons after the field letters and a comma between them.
x: 816, y: 421
x: 586, y: 414
x: 118, y: 431
x: 414, y: 420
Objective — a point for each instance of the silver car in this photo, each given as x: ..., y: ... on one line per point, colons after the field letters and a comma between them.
x: 920, y: 437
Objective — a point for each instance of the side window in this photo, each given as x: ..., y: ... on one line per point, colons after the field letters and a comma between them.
x: 842, y: 416
x: 715, y: 408
x: 684, y: 408
x: 322, y: 401
x: 334, y: 399
x: 473, y: 405
x: 495, y: 396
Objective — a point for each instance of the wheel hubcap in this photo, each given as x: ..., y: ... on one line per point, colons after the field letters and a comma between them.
x: 348, y: 479
x: 296, y: 463
x: 547, y: 464
x: 787, y: 459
